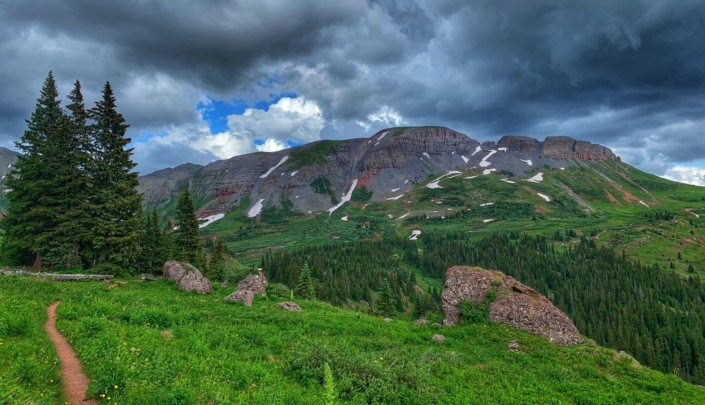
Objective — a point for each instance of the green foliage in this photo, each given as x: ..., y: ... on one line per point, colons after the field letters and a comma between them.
x: 385, y: 302
x: 115, y: 203
x: 152, y: 252
x: 329, y: 386
x: 304, y: 287
x: 399, y: 131
x: 313, y: 154
x: 73, y: 202
x: 321, y: 185
x: 162, y: 346
x: 361, y: 194
x: 188, y: 241
x: 216, y: 265
x: 478, y: 312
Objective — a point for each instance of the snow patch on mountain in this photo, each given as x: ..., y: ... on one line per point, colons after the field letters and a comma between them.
x: 479, y: 148
x: 256, y: 209
x: 484, y: 162
x: 275, y: 166
x: 415, y: 235
x: 537, y: 179
x: 209, y: 220
x: 345, y: 198
x: 544, y: 196
x: 528, y: 162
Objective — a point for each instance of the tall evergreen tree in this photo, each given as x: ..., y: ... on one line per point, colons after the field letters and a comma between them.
x: 304, y: 288
x: 188, y: 241
x: 30, y: 218
x: 71, y: 164
x: 385, y: 302
x: 168, y: 245
x: 217, y: 262
x: 115, y: 201
x: 151, y: 247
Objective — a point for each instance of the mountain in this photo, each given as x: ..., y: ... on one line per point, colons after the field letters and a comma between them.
x: 410, y: 181
x: 388, y: 164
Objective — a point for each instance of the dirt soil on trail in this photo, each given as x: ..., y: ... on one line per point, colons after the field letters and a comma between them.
x: 75, y: 382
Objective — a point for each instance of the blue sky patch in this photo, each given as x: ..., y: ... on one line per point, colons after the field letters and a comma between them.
x: 216, y: 112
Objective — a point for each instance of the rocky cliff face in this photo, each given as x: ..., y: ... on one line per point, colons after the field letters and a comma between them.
x: 389, y: 164
x: 564, y: 147
x: 516, y: 305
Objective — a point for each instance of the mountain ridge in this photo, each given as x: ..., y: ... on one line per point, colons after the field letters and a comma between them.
x: 390, y: 162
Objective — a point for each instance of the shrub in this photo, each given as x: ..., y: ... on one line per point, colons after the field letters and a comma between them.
x: 479, y: 312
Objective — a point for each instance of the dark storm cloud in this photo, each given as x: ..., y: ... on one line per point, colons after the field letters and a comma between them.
x: 629, y: 74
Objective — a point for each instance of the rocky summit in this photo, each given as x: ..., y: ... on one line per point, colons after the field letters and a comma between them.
x: 319, y: 176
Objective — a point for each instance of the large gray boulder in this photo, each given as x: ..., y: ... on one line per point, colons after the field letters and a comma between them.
x: 244, y: 296
x: 516, y: 305
x: 257, y: 283
x: 188, y: 277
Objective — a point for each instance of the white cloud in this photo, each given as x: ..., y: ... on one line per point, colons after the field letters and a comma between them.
x: 271, y: 145
x: 295, y: 119
x: 386, y: 115
x: 686, y: 174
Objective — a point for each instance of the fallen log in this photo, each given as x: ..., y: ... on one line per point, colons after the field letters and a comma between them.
x: 58, y: 277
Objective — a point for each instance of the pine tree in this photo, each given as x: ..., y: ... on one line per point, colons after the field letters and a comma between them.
x: 114, y: 199
x: 217, y: 264
x: 188, y: 241
x: 71, y: 166
x: 385, y: 302
x: 304, y: 288
x: 151, y: 247
x: 168, y: 245
x: 30, y: 219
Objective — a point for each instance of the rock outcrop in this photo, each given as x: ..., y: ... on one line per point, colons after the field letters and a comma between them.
x: 244, y: 296
x: 520, y: 144
x: 188, y: 277
x: 439, y: 338
x: 516, y: 305
x: 290, y: 306
x: 565, y: 147
x: 257, y: 283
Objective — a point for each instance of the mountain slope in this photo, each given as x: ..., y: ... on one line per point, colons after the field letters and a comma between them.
x: 437, y: 179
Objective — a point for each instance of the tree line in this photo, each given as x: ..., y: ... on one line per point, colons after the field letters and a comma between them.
x: 649, y: 312
x: 73, y: 198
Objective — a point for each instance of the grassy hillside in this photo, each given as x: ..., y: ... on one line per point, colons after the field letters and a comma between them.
x: 148, y: 343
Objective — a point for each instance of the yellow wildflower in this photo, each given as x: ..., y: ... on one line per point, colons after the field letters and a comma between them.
x: 116, y: 387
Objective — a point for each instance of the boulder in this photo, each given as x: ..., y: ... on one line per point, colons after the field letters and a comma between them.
x: 173, y: 270
x: 257, y: 283
x: 244, y: 296
x: 290, y: 306
x: 513, y: 344
x: 388, y: 319
x: 516, y: 305
x: 422, y: 321
x: 439, y: 338
x: 195, y: 281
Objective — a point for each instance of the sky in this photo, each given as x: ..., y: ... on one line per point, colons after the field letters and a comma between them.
x: 200, y: 81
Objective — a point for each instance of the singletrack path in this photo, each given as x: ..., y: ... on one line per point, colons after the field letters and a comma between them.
x: 75, y: 382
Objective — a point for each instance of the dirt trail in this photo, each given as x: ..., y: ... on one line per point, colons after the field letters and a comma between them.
x: 75, y: 382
